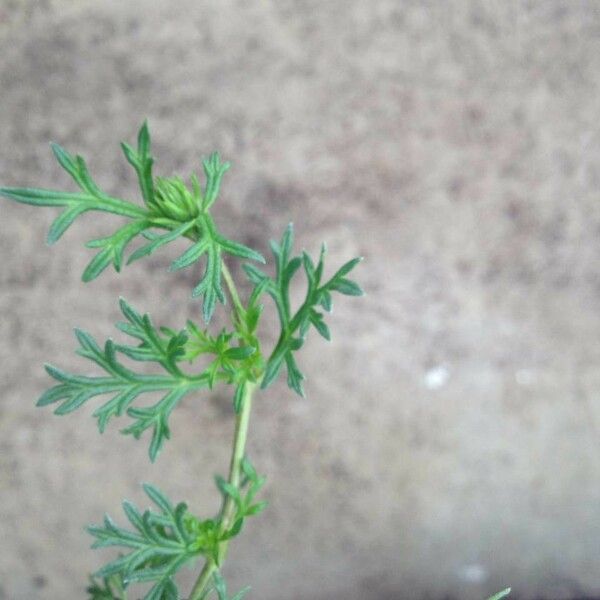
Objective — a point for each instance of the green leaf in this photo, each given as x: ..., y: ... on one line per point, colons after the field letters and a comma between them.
x: 294, y: 324
x: 249, y: 470
x: 39, y: 197
x: 341, y: 284
x: 273, y: 368
x: 64, y: 221
x: 235, y: 365
x: 255, y: 275
x: 243, y: 496
x: 214, y: 170
x: 112, y: 248
x: 142, y: 162
x: 316, y: 318
x: 124, y: 385
x: 239, y: 250
x: 210, y: 284
x: 91, y: 197
x: 239, y: 353
x: 295, y: 376
x: 158, y: 241
x: 346, y: 287
x: 153, y: 345
x: 211, y: 244
x: 159, y: 544
x: 155, y: 417
x: 257, y: 508
x: 190, y: 256
x: 228, y: 490
x: 108, y: 588
x: 168, y: 205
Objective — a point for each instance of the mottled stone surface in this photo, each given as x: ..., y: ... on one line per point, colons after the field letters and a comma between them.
x: 449, y: 444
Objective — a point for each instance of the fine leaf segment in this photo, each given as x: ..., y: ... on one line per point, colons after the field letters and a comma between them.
x: 186, y: 360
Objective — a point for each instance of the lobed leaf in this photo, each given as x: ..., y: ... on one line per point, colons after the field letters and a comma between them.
x: 125, y: 385
x: 243, y: 497
x: 212, y: 245
x: 142, y: 161
x: 159, y: 241
x: 168, y: 205
x: 214, y: 170
x: 157, y: 547
x: 295, y: 325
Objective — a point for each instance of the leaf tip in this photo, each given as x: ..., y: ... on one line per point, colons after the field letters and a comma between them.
x: 50, y: 369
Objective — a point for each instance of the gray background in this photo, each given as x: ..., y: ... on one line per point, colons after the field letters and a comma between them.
x: 449, y: 443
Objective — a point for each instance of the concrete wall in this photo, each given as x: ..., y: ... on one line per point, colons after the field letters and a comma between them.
x: 449, y: 443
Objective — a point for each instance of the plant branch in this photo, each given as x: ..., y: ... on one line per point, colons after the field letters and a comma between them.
x: 235, y: 297
x: 228, y: 508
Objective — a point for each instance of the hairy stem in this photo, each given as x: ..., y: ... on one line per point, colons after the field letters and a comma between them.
x: 228, y: 509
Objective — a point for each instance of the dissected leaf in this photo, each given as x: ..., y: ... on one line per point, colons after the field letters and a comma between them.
x: 233, y: 364
x: 142, y: 161
x: 157, y: 547
x: 211, y: 245
x: 168, y: 205
x: 214, y: 170
x: 295, y: 325
x: 243, y: 497
x: 125, y: 385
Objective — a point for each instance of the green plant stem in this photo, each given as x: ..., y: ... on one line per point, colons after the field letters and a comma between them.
x: 237, y: 454
x: 228, y: 509
x: 235, y: 297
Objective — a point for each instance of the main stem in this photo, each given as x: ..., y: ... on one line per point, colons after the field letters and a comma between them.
x: 228, y: 509
x: 239, y: 446
x: 235, y: 297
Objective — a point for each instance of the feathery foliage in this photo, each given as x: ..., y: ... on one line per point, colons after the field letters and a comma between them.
x: 124, y: 384
x: 295, y: 325
x: 160, y: 541
x: 168, y: 204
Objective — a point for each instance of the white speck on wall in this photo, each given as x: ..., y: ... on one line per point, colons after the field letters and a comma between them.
x: 437, y: 377
x: 474, y: 573
x: 525, y: 377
